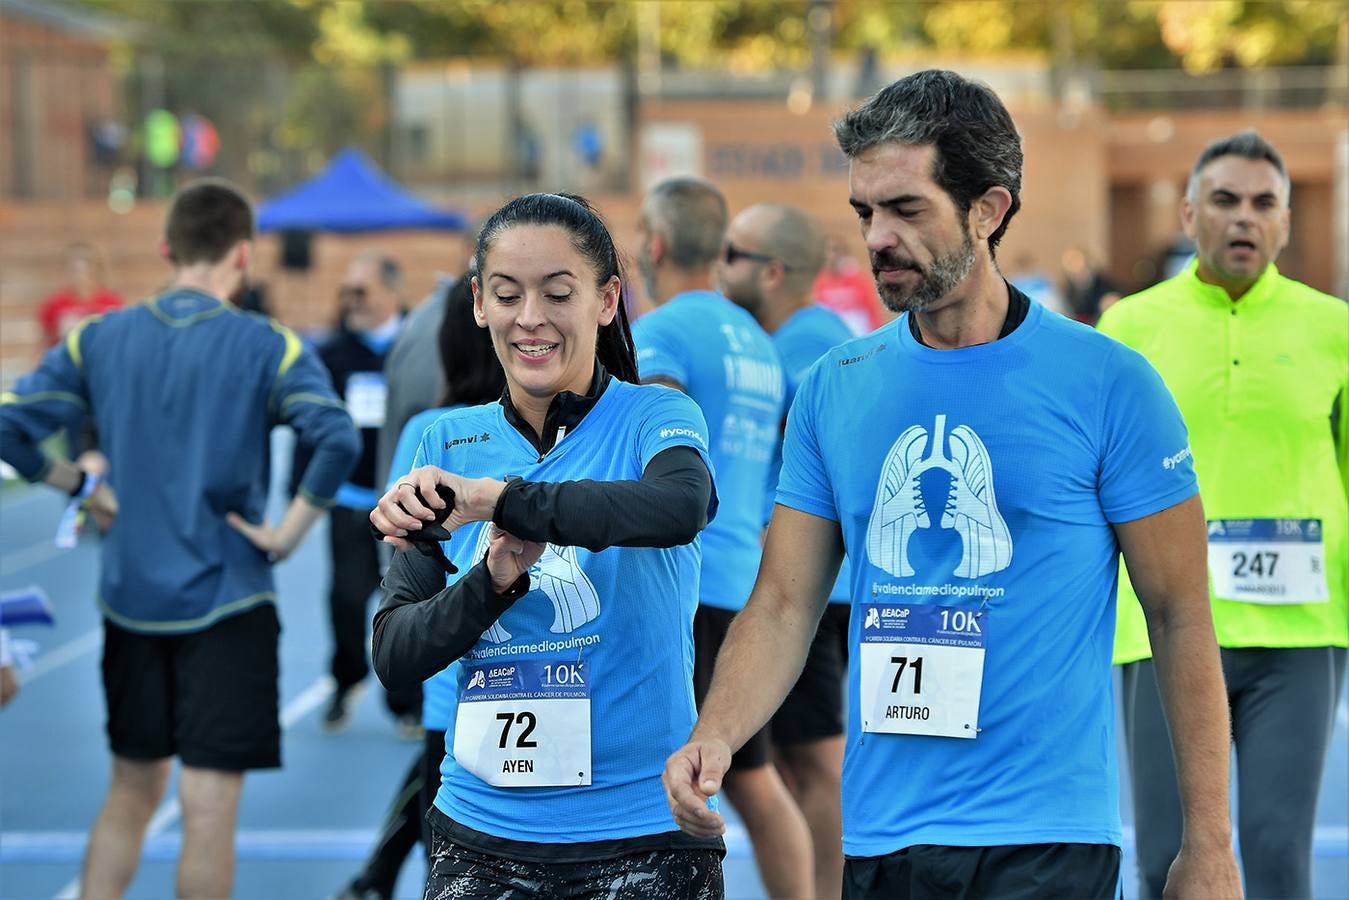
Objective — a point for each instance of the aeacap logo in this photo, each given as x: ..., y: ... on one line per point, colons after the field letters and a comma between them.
x: 558, y: 574
x: 873, y: 619
x: 478, y: 680
x: 971, y: 507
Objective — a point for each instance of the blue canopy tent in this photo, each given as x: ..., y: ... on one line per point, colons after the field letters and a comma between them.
x: 352, y: 195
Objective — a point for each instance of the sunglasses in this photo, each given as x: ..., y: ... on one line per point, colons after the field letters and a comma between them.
x: 731, y: 253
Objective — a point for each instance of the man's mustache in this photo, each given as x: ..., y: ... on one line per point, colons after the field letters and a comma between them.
x: 884, y: 260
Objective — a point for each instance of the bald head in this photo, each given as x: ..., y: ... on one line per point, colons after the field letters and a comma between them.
x: 773, y: 253
x: 789, y: 235
x: 690, y: 214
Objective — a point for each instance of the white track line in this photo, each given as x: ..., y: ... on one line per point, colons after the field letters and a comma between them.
x: 17, y: 561
x: 48, y: 662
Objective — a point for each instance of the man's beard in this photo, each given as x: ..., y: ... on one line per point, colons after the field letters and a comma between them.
x: 741, y: 296
x: 934, y: 282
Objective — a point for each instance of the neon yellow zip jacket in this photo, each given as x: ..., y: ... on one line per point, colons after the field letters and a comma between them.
x: 1256, y: 381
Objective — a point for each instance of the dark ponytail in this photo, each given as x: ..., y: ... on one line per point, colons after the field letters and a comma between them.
x: 613, y: 346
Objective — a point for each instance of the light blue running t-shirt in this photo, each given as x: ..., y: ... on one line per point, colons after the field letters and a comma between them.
x: 728, y: 365
x: 808, y: 334
x: 568, y: 706
x: 975, y: 489
x: 440, y: 691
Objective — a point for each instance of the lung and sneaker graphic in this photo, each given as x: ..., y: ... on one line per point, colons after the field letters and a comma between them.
x: 971, y: 508
x: 558, y: 574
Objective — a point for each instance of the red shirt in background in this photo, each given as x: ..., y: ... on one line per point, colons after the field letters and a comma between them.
x: 850, y: 292
x: 64, y: 309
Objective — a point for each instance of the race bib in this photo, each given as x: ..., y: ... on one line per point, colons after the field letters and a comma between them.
x: 1268, y: 560
x: 367, y: 393
x: 525, y: 723
x: 922, y: 669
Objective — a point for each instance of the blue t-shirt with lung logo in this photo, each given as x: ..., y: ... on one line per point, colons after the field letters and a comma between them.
x: 984, y: 478
x: 728, y: 365
x: 626, y: 613
x: 808, y: 334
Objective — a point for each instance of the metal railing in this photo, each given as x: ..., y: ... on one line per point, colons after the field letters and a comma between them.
x: 1297, y: 87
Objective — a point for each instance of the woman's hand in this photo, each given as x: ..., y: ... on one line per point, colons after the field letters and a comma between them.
x: 400, y: 511
x: 509, y: 557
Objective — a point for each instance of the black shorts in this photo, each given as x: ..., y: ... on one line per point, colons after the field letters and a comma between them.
x: 1015, y: 872
x: 813, y: 709
x: 669, y: 874
x: 209, y: 697
x: 709, y: 632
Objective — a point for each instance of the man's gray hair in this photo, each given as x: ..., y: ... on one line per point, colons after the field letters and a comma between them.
x: 691, y: 215
x: 1246, y: 144
x: 976, y: 143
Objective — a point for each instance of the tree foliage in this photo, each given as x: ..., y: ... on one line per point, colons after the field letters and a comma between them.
x: 295, y: 79
x: 746, y: 35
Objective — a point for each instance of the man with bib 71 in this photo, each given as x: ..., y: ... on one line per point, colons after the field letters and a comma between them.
x: 983, y: 500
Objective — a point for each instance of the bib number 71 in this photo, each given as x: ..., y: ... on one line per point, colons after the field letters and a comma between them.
x: 915, y: 665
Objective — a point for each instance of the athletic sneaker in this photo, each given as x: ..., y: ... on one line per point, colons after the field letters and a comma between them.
x: 337, y: 716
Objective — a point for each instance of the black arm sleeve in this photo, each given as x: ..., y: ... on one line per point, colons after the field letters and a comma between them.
x: 666, y: 508
x: 422, y: 626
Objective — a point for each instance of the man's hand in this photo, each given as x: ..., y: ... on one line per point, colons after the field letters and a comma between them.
x: 102, y: 506
x: 509, y: 557
x: 400, y: 511
x: 281, y: 541
x: 263, y: 536
x: 9, y: 684
x: 693, y: 773
x: 1204, y: 874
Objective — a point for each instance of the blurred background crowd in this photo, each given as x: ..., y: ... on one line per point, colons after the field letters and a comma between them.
x: 107, y: 105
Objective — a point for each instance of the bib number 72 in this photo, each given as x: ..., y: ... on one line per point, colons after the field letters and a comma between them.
x: 526, y: 720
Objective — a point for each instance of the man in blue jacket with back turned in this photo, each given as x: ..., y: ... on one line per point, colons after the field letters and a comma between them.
x: 184, y: 390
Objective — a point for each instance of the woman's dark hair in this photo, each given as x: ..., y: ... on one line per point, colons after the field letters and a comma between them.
x: 590, y: 237
x: 472, y: 371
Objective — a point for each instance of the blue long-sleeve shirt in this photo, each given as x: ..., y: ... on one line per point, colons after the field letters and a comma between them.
x: 184, y: 390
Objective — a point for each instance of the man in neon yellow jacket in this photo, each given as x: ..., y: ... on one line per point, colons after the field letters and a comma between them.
x: 1258, y: 364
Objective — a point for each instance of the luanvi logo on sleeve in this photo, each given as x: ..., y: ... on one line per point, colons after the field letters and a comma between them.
x: 471, y: 439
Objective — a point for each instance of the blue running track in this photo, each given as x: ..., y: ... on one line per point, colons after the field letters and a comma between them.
x: 304, y: 829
